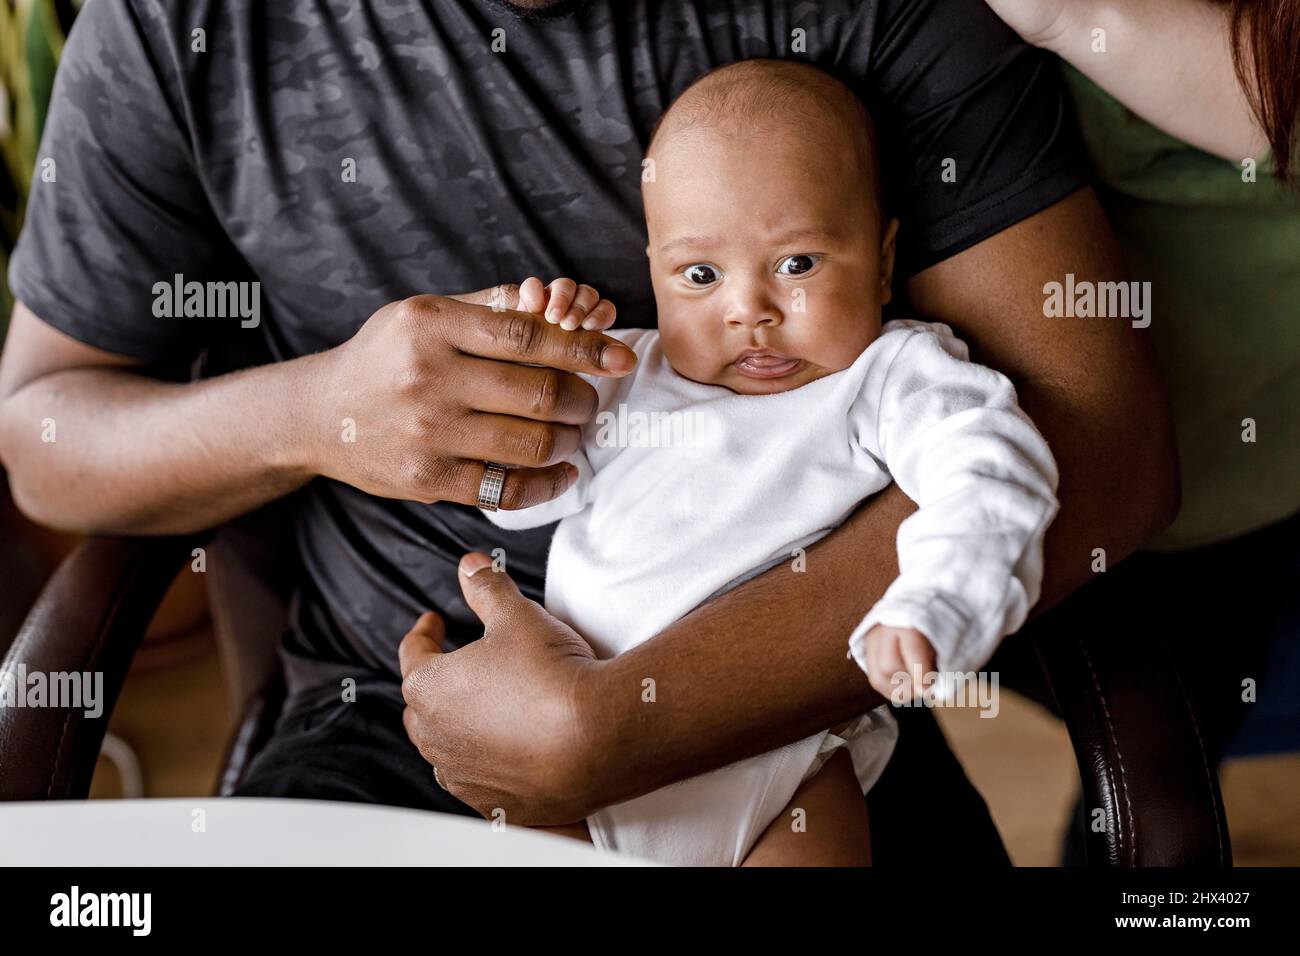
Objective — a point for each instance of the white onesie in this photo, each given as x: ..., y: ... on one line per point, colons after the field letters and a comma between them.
x: 685, y: 490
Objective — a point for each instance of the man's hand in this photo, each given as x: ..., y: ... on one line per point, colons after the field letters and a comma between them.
x: 436, y: 386
x: 498, y: 717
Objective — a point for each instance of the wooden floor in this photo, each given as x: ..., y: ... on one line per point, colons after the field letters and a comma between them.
x: 174, y: 716
x: 1022, y: 762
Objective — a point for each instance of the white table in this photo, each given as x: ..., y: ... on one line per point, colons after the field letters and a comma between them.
x: 251, y: 832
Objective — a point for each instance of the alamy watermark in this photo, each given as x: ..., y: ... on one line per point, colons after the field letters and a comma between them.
x: 1085, y: 299
x: 947, y: 689
x: 625, y: 428
x: 66, y: 690
x: 75, y: 908
x: 179, y: 299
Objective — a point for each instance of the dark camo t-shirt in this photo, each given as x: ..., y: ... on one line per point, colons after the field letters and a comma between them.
x: 486, y: 148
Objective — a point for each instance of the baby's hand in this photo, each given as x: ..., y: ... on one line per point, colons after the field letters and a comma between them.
x: 567, y: 304
x: 894, y: 654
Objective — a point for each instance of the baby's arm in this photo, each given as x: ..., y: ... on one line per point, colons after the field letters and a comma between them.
x: 971, y: 558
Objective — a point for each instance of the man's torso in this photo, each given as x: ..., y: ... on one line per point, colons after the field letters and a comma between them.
x: 346, y: 155
x: 357, y: 158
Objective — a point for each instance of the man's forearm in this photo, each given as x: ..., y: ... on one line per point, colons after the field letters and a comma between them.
x: 100, y: 450
x: 756, y: 668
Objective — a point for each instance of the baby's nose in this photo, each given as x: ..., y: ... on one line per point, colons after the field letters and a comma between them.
x: 751, y: 311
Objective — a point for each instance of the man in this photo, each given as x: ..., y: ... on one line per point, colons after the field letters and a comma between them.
x: 352, y: 159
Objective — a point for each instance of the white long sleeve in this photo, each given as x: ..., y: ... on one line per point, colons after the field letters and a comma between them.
x: 971, y: 558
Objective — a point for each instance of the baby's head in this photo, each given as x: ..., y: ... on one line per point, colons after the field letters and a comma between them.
x: 770, y: 250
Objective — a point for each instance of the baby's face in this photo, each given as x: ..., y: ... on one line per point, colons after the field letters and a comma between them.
x: 768, y: 259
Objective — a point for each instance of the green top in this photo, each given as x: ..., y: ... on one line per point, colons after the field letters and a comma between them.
x: 1223, y: 259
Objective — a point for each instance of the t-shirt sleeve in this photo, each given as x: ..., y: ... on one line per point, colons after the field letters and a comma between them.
x: 976, y: 133
x: 116, y: 204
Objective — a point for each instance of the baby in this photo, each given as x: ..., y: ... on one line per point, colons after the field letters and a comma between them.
x: 768, y: 405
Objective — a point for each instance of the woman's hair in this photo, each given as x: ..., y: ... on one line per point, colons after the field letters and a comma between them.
x: 1266, y: 54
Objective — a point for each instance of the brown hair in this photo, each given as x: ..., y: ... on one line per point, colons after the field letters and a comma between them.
x: 1266, y: 54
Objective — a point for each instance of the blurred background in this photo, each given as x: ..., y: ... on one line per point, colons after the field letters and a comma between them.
x: 169, y: 730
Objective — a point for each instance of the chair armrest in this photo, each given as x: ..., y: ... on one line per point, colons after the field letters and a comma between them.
x: 1142, y: 758
x: 90, y: 617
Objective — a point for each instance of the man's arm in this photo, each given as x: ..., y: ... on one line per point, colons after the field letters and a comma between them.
x: 91, y: 444
x: 764, y: 664
x: 429, y: 386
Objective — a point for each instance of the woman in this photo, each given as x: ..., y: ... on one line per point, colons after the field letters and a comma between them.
x: 1189, y: 112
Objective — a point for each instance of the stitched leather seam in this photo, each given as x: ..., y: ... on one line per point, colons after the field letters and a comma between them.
x: 1119, y: 757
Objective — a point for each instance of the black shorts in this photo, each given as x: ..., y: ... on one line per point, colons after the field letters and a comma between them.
x: 356, y: 752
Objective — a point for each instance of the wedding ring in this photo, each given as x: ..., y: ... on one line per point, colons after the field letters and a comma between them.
x: 489, y: 489
x: 437, y: 779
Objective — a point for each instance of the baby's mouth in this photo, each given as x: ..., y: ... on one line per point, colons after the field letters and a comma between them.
x: 765, y: 363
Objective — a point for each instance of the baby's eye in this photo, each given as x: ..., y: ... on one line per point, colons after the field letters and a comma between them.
x: 701, y: 274
x: 797, y: 265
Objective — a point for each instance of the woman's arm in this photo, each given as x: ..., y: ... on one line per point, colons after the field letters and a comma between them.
x: 1169, y: 61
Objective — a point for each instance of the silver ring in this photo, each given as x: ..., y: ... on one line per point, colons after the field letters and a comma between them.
x: 437, y: 779
x: 489, y: 489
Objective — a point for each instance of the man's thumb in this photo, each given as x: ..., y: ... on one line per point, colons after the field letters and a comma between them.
x: 486, y: 589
